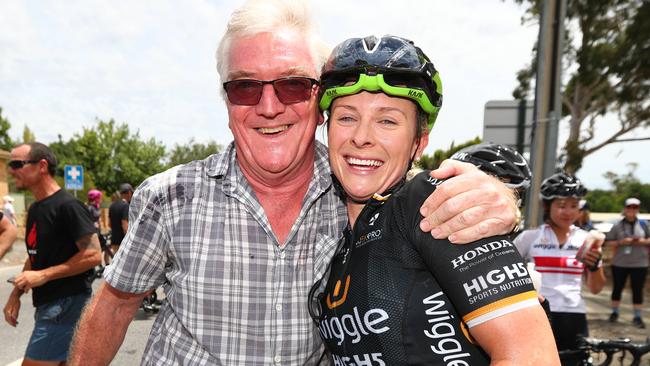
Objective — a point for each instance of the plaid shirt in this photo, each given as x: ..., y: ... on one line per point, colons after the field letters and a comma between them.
x: 234, y: 296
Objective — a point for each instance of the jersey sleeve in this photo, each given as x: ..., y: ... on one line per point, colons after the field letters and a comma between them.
x: 139, y: 264
x: 484, y: 279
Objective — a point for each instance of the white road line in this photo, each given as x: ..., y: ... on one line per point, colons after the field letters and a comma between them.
x: 18, y: 362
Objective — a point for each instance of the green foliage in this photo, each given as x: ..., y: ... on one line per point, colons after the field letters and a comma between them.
x: 5, y: 141
x: 428, y: 162
x: 28, y: 135
x: 181, y: 154
x: 111, y: 155
x: 606, y: 58
x: 624, y: 186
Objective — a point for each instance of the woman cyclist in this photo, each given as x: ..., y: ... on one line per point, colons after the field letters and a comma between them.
x: 392, y: 296
x: 553, y: 248
x: 93, y: 207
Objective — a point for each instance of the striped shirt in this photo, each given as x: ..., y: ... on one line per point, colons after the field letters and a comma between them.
x: 561, y: 271
x: 234, y: 296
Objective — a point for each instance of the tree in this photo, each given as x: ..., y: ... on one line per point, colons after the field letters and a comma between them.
x: 434, y: 161
x: 5, y: 141
x: 625, y: 186
x: 111, y: 155
x: 181, y: 154
x: 28, y: 135
x: 606, y: 60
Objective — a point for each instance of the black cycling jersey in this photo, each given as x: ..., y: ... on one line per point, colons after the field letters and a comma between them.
x: 397, y: 296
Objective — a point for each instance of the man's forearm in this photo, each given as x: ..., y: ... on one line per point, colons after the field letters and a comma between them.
x: 102, y: 327
x: 88, y: 257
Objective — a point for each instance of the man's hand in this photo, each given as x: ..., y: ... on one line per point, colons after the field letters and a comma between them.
x: 27, y: 280
x: 468, y: 206
x: 11, y: 309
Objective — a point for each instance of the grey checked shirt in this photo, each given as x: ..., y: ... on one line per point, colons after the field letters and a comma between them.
x: 234, y: 297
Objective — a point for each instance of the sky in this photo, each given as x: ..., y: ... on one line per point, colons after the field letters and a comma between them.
x: 151, y: 65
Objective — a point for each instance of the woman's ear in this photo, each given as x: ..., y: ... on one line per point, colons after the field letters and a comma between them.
x: 424, y: 141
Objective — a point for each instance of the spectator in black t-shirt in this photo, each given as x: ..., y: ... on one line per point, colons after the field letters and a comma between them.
x: 118, y: 214
x: 62, y: 248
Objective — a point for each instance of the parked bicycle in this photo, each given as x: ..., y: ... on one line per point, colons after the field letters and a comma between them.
x: 151, y: 303
x: 594, y: 350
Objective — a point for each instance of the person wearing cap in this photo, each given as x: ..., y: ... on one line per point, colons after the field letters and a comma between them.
x: 630, y: 238
x: 584, y: 219
x: 118, y: 216
x: 8, y: 209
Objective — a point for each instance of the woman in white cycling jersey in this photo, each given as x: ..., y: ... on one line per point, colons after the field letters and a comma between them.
x: 394, y: 297
x: 555, y: 248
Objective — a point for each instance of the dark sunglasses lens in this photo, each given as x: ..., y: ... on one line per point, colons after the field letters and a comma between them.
x: 405, y: 80
x: 292, y: 90
x: 244, y: 92
x: 339, y: 79
x: 16, y: 164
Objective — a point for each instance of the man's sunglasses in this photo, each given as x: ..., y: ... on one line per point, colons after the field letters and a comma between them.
x: 632, y: 206
x: 288, y: 90
x: 17, y: 164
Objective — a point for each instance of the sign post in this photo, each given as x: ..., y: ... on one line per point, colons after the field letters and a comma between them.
x: 74, y: 178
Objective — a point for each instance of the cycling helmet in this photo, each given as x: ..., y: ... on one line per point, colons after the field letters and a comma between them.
x: 94, y: 195
x: 562, y: 185
x: 498, y: 160
x: 390, y: 64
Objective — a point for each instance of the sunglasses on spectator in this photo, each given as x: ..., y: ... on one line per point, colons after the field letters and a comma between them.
x: 632, y: 206
x: 289, y: 90
x: 18, y: 164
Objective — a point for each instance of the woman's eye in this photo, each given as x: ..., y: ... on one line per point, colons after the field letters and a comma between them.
x: 345, y: 119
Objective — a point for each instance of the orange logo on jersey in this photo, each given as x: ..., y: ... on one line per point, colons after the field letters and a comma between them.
x: 337, y: 288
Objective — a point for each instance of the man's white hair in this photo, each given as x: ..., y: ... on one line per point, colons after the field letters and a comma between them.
x: 271, y: 16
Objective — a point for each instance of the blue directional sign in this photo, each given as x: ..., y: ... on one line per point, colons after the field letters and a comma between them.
x: 74, y: 177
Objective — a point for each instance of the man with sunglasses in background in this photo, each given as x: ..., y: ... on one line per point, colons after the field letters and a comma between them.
x: 237, y: 240
x: 62, y: 247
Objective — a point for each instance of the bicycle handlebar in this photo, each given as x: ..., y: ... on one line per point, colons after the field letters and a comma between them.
x: 610, y: 347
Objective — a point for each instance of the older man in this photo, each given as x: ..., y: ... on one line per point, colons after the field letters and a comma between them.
x: 237, y: 239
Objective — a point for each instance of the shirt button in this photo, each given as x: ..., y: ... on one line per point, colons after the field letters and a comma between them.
x: 278, y: 307
x: 277, y: 359
x: 282, y: 255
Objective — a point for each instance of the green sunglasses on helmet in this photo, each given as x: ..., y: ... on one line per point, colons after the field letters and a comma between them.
x: 391, y: 65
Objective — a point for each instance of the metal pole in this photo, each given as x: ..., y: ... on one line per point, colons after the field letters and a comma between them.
x: 521, y: 124
x: 547, y: 102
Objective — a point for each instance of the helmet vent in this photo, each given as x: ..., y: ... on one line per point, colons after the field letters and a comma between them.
x: 370, y: 44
